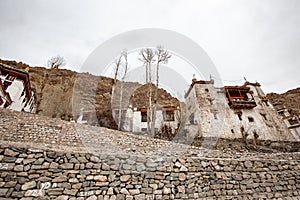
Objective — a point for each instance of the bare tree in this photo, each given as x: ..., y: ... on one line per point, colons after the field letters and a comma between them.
x: 163, y: 57
x: 123, y: 75
x: 56, y: 62
x: 147, y: 57
x: 120, y: 71
x: 116, y: 68
x: 181, y: 117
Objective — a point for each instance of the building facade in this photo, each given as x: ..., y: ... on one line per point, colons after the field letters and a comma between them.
x: 292, y: 121
x: 232, y: 112
x: 15, y: 89
x: 135, y: 119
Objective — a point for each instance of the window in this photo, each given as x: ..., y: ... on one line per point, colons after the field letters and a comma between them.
x: 168, y: 115
x: 143, y: 116
x: 281, y: 113
x: 11, y: 78
x: 232, y: 131
x: 6, y: 104
x: 239, y: 114
x: 206, y: 90
x: 264, y: 116
x: 191, y: 118
x: 251, y: 119
x: 215, y: 115
x: 293, y: 121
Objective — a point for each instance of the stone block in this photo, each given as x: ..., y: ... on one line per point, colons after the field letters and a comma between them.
x: 28, y: 185
x: 134, y: 191
x: 67, y: 166
x: 9, y: 152
x: 140, y: 197
x: 3, y: 192
x: 100, y: 178
x: 62, y: 197
x: 71, y: 192
x: 60, y: 179
x: 125, y: 178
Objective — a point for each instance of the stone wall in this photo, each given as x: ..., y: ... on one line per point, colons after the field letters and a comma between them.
x: 32, y: 173
x: 43, y: 158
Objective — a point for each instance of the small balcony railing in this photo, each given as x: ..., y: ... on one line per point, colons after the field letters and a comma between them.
x: 242, y: 103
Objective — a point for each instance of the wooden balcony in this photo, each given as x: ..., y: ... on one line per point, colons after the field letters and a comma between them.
x: 242, y: 104
x: 240, y: 97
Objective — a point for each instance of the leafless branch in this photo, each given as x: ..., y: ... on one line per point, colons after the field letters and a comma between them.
x: 56, y: 62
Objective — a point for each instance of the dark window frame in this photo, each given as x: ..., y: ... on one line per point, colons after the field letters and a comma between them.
x: 168, y: 115
x: 240, y: 116
x: 143, y: 116
x: 251, y: 119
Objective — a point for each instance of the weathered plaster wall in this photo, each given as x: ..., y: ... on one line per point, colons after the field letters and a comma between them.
x: 192, y: 115
x: 296, y: 133
x: 138, y: 125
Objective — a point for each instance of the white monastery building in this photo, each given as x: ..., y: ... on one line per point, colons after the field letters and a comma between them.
x: 231, y: 112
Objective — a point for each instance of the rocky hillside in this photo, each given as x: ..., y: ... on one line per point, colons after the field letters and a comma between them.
x: 61, y: 93
x: 289, y: 99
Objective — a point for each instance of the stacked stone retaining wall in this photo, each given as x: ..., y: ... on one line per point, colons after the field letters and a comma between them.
x: 31, y: 174
x: 42, y: 158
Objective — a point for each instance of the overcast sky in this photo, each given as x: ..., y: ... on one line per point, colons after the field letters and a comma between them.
x: 256, y: 39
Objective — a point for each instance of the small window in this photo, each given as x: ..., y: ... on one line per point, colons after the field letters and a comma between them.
x: 264, y: 116
x: 240, y: 116
x: 10, y: 78
x: 168, y: 115
x: 281, y: 113
x: 6, y: 104
x: 206, y: 90
x: 191, y: 118
x: 144, y: 116
x: 251, y: 119
x: 215, y: 116
x: 143, y: 129
x: 293, y: 121
x: 232, y: 131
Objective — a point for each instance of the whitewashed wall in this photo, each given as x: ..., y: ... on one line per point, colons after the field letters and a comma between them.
x: 133, y: 122
x: 15, y: 91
